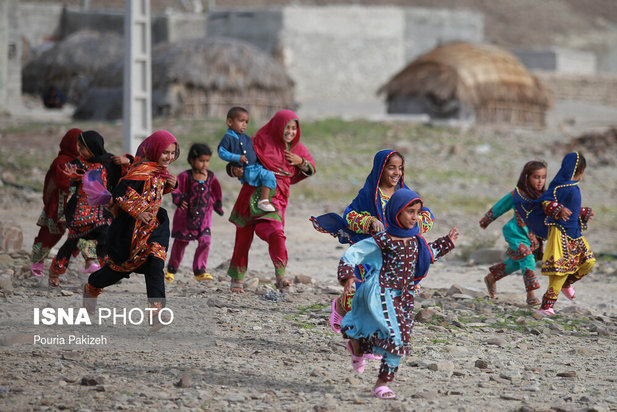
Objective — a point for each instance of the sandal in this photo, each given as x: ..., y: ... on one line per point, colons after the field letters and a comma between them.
x: 335, y: 318
x: 357, y: 362
x: 169, y: 277
x: 569, y: 292
x: 491, y: 285
x: 383, y: 392
x: 282, y: 282
x: 372, y: 356
x: 93, y: 267
x: 236, y: 286
x: 533, y: 301
x: 37, y: 269
x: 54, y: 280
x: 204, y: 276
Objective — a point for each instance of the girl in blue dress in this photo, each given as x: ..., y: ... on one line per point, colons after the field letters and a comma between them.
x: 381, y: 319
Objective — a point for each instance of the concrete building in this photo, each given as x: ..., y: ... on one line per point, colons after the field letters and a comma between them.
x: 10, y: 57
x: 559, y: 60
x: 339, y: 56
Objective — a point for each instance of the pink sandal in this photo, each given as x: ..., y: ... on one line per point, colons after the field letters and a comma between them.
x: 372, y: 356
x: 569, y: 292
x: 383, y: 392
x: 93, y: 267
x: 357, y: 362
x: 335, y: 318
x: 37, y: 268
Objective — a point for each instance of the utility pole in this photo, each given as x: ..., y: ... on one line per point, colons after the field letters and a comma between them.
x: 137, y: 102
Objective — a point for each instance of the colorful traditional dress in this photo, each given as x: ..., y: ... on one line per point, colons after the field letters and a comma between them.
x: 57, y: 190
x: 567, y: 257
x: 85, y: 221
x: 193, y: 223
x: 137, y: 246
x: 232, y: 147
x: 381, y: 317
x: 521, y: 242
x: 270, y: 147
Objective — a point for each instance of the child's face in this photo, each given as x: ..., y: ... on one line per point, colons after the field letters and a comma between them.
x: 537, y: 179
x: 392, y: 172
x: 291, y: 130
x: 237, y: 171
x: 83, y: 151
x: 239, y: 122
x: 201, y: 163
x: 408, y: 217
x: 168, y: 155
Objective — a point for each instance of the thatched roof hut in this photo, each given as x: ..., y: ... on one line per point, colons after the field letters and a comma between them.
x: 205, y: 77
x: 71, y: 63
x: 469, y: 81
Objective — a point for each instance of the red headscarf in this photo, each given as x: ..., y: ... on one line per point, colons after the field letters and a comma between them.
x: 55, y: 179
x: 148, y: 154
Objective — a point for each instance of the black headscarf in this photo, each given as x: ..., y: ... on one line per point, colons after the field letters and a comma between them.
x: 94, y: 142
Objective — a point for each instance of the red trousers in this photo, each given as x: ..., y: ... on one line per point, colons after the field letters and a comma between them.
x: 270, y: 231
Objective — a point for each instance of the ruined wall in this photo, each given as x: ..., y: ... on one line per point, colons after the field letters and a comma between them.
x: 600, y: 89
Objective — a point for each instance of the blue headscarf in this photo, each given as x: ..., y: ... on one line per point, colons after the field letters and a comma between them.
x: 564, y: 190
x: 399, y: 201
x: 368, y: 198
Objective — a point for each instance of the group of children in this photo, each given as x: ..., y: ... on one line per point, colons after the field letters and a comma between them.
x: 384, y: 225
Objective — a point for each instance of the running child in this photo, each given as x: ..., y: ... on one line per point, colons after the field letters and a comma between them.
x: 381, y: 318
x: 198, y: 193
x: 567, y: 257
x: 139, y: 234
x: 83, y: 220
x: 237, y: 149
x: 521, y: 242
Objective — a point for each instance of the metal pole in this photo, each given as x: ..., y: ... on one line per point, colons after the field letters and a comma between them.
x: 137, y: 108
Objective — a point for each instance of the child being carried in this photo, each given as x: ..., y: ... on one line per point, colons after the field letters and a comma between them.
x: 237, y: 149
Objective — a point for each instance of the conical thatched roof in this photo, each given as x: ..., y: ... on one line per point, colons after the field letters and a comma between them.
x: 70, y: 64
x: 213, y: 64
x: 472, y: 73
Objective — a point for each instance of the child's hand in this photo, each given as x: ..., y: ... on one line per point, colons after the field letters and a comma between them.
x: 349, y: 283
x: 453, y: 234
x: 377, y: 226
x: 184, y: 204
x: 120, y: 160
x: 564, y: 214
x: 237, y: 171
x: 145, y: 217
x: 72, y: 171
x: 244, y: 159
x: 171, y: 181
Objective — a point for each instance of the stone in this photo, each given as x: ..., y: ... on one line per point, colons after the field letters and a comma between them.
x: 91, y: 380
x: 481, y: 364
x: 6, y: 282
x: 441, y: 366
x: 496, y: 341
x: 304, y: 279
x: 568, y: 374
x: 185, y: 382
x: 11, y: 236
x: 424, y: 316
x: 251, y: 284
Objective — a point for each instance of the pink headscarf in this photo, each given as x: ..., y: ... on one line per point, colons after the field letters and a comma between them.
x: 154, y: 145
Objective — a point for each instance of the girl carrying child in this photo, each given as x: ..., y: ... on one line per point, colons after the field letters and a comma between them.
x: 559, y: 218
x: 139, y: 233
x: 198, y: 193
x: 85, y: 221
x: 521, y: 242
x: 381, y: 318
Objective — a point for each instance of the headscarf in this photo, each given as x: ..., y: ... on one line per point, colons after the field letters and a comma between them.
x: 368, y: 198
x: 94, y: 142
x: 399, y: 201
x: 270, y: 145
x: 147, y: 156
x: 55, y: 179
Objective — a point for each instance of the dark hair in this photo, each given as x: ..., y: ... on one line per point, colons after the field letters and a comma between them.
x: 523, y: 179
x: 395, y: 153
x: 581, y: 164
x: 229, y: 170
x: 198, y: 149
x: 236, y: 110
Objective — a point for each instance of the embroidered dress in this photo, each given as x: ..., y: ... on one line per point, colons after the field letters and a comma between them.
x: 270, y: 147
x: 57, y: 190
x: 521, y: 242
x: 381, y: 316
x: 193, y: 223
x: 137, y: 246
x: 567, y: 256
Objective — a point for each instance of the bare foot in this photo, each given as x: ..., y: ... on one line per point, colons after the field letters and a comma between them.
x: 283, y: 282
x: 236, y: 286
x: 491, y: 285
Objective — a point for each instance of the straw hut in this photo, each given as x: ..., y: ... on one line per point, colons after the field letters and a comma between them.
x: 70, y: 64
x: 198, y: 78
x: 469, y: 82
